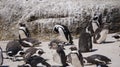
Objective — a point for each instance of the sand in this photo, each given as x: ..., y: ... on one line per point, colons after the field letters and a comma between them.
x: 110, y: 49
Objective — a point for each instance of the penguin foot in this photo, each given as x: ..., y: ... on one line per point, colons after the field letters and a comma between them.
x: 66, y: 44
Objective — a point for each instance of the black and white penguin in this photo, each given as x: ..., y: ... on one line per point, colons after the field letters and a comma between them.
x: 60, y: 57
x: 23, y: 31
x: 32, y: 51
x: 75, y: 57
x: 33, y: 57
x: 25, y: 37
x: 98, y: 16
x: 95, y: 24
x: 101, y: 34
x: 1, y: 56
x: 97, y: 59
x: 85, y: 40
x: 13, y: 48
x: 29, y: 42
x: 54, y: 44
x: 35, y: 60
x: 64, y: 33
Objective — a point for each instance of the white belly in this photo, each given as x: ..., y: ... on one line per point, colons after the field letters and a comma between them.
x: 94, y: 26
x: 103, y: 37
x: 75, y: 61
x: 62, y: 35
x: 22, y: 34
x: 56, y: 58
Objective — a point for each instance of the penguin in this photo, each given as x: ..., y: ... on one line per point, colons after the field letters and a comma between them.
x: 75, y: 57
x: 1, y: 56
x: 32, y: 51
x: 23, y: 31
x: 29, y: 42
x: 101, y: 34
x: 64, y: 33
x: 35, y: 60
x: 13, y: 48
x: 54, y: 44
x: 85, y: 40
x: 60, y: 57
x: 97, y: 59
x: 95, y: 24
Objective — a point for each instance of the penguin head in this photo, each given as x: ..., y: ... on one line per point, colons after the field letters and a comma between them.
x: 95, y: 18
x: 53, y: 46
x: 22, y: 25
x: 55, y: 29
x: 21, y: 53
x: 40, y: 51
x: 85, y: 60
x: 10, y: 53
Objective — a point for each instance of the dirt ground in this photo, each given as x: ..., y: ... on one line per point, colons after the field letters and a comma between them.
x: 111, y: 49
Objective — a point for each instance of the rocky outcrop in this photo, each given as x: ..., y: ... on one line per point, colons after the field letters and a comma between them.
x: 41, y: 15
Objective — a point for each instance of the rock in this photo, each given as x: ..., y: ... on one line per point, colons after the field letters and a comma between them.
x: 42, y: 15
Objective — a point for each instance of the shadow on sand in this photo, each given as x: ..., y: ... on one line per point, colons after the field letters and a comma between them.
x: 106, y: 42
x: 93, y: 50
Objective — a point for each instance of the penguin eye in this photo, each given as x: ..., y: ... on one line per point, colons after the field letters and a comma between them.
x: 40, y: 52
x: 22, y: 53
x: 83, y: 61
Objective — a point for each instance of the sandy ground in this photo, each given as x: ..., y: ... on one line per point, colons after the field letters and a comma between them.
x: 110, y: 49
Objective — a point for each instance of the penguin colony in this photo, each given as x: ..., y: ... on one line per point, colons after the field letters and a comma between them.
x: 32, y: 56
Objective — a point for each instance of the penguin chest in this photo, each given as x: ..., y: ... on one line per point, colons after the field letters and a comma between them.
x: 75, y: 61
x: 103, y: 35
x: 22, y: 34
x: 95, y: 26
x: 62, y: 35
x: 57, y: 58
